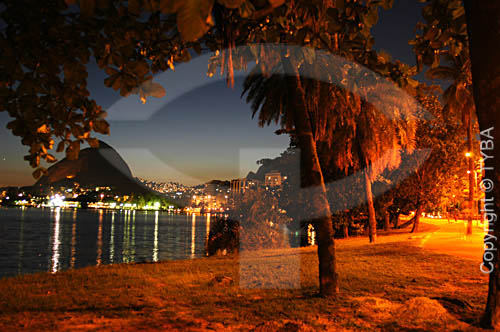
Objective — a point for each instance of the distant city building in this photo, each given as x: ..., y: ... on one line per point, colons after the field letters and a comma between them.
x: 216, y: 187
x: 253, y: 184
x: 273, y: 179
x: 211, y: 188
x: 239, y: 186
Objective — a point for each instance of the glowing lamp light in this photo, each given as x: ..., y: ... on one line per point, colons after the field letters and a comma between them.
x: 157, y: 205
x: 468, y: 172
x: 56, y: 201
x: 468, y: 154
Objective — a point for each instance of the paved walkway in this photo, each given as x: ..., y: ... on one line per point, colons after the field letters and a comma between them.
x: 450, y: 239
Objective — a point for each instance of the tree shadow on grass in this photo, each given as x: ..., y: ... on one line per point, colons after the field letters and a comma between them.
x: 460, y: 309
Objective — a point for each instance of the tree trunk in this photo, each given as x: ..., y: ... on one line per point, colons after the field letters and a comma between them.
x: 408, y: 223
x: 304, y: 236
x: 396, y: 221
x: 483, y: 23
x: 416, y: 223
x: 387, y: 220
x: 372, y: 221
x: 471, y: 175
x: 312, y: 179
x: 345, y: 229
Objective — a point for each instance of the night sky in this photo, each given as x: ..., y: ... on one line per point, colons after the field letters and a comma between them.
x: 201, y: 130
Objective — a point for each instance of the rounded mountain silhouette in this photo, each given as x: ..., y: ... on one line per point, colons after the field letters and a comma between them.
x: 95, y: 167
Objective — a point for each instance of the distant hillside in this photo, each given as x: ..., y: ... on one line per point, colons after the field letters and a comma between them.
x: 95, y: 167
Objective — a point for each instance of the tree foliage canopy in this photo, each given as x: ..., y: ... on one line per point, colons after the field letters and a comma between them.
x: 442, y: 45
x: 47, y: 46
x: 426, y: 186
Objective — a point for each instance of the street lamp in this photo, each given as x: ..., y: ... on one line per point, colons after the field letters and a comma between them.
x: 470, y: 163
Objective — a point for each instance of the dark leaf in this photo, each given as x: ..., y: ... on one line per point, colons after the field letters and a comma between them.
x: 233, y: 4
x: 387, y: 4
x: 93, y: 142
x: 101, y: 126
x: 340, y: 4
x: 197, y: 48
x: 38, y: 173
x: 87, y: 7
x: 371, y: 18
x: 442, y: 73
x: 193, y: 19
x: 50, y: 158
x: 134, y: 7
x: 60, y: 147
x: 73, y: 150
x: 170, y: 6
x: 246, y: 9
x: 276, y: 3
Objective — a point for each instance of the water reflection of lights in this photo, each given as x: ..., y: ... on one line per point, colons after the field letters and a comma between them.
x: 193, y: 231
x: 21, y: 242
x: 56, y: 243
x: 112, y: 239
x: 99, y: 239
x: 208, y: 225
x: 128, y: 252
x: 132, y: 242
x: 126, y: 244
x: 73, y: 241
x: 155, y: 248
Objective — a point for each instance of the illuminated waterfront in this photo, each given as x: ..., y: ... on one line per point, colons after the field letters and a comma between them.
x: 40, y: 240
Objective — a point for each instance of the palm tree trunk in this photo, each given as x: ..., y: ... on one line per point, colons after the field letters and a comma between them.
x: 483, y: 24
x: 372, y: 221
x: 312, y: 178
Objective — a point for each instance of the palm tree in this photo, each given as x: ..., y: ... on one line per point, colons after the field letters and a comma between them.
x: 284, y: 99
x: 429, y: 181
x: 459, y: 99
x: 445, y: 48
x: 311, y: 109
x: 374, y: 128
x: 350, y: 133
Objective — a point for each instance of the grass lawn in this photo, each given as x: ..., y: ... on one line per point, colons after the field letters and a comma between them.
x: 389, y: 286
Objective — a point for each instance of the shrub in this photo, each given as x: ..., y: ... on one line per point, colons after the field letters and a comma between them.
x: 255, y: 223
x: 224, y: 235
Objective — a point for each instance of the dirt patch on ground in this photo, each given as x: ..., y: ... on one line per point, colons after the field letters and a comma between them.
x: 415, y: 313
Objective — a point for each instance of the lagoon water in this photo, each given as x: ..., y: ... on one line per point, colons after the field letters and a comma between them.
x: 50, y: 240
